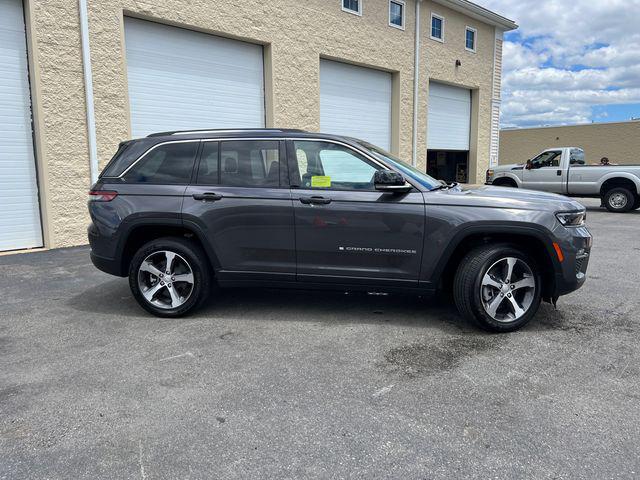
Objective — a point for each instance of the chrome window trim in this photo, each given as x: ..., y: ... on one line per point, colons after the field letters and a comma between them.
x: 363, y: 153
x: 303, y: 139
x: 150, y: 149
x: 275, y: 139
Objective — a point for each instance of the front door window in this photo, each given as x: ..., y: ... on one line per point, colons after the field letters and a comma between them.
x: 546, y: 159
x: 330, y: 166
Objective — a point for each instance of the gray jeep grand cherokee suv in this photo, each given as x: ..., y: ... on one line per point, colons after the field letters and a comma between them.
x: 177, y: 212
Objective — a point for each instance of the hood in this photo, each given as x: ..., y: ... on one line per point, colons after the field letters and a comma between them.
x: 507, y: 167
x: 500, y: 197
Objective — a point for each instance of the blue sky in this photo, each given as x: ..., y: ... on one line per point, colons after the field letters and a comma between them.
x: 570, y: 61
x: 615, y: 113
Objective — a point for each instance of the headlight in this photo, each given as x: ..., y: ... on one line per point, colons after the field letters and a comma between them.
x: 572, y: 219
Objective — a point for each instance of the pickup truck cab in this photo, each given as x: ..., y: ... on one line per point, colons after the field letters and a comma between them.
x: 564, y: 170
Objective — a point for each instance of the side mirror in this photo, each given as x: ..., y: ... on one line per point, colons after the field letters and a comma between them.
x: 389, y: 181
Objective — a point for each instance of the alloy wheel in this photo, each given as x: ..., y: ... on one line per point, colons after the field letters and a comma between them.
x: 508, y: 289
x: 165, y: 279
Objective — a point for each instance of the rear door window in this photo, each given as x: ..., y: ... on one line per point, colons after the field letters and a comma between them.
x: 208, y: 170
x: 250, y: 163
x: 167, y: 164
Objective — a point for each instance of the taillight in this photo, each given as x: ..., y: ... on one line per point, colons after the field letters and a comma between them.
x: 102, y: 195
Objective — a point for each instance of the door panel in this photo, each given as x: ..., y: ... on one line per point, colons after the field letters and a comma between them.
x: 345, y: 229
x: 361, y: 235
x: 249, y: 229
x: 238, y: 204
x: 545, y: 173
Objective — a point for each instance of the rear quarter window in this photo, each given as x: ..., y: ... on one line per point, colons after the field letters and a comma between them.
x: 167, y: 164
x: 576, y: 157
x: 127, y: 153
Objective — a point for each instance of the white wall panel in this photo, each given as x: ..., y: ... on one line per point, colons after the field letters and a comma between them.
x: 355, y: 101
x: 19, y: 206
x: 181, y: 80
x: 449, y: 120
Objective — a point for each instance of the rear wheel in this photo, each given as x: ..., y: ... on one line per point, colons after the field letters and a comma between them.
x: 497, y: 287
x: 169, y: 277
x: 618, y: 200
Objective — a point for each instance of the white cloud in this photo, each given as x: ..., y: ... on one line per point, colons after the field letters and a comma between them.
x: 568, y: 56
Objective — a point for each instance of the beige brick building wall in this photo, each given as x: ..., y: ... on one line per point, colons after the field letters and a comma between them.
x: 295, y: 35
x: 619, y: 141
x: 475, y: 73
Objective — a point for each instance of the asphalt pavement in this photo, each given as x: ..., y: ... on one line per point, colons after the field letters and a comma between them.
x: 280, y: 384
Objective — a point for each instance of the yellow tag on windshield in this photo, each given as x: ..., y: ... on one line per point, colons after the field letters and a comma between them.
x: 320, y: 182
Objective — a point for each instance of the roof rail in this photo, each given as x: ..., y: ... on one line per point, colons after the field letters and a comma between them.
x: 225, y: 130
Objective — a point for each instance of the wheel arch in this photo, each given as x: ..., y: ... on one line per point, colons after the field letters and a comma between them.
x: 624, y: 180
x: 508, y: 176
x: 141, y: 232
x: 507, y: 180
x: 532, y: 240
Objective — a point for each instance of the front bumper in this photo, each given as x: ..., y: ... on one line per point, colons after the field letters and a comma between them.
x: 576, y: 249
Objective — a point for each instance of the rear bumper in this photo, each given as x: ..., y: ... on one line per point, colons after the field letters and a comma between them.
x: 100, y: 248
x: 107, y: 265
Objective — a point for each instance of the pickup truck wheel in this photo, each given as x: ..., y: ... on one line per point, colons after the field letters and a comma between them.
x: 618, y: 200
x: 169, y: 277
x: 497, y: 287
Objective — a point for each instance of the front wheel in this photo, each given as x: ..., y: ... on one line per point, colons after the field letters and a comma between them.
x: 497, y: 287
x: 169, y: 277
x: 618, y: 200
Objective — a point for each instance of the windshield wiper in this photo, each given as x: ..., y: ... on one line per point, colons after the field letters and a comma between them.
x: 444, y: 186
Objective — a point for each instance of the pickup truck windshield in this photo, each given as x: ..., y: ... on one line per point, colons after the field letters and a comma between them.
x: 420, y: 177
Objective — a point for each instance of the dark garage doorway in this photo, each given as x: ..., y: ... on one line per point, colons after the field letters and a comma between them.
x: 448, y: 165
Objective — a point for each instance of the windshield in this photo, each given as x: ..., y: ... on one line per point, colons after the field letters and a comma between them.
x: 420, y: 177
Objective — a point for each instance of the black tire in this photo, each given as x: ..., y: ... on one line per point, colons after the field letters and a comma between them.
x: 468, y: 290
x: 196, y: 260
x: 618, y: 200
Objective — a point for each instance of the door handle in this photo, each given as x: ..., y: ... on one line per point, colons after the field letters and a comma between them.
x: 207, y: 196
x: 559, y: 173
x: 315, y: 200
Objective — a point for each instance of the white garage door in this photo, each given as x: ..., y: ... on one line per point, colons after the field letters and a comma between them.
x: 355, y: 101
x: 449, y: 121
x: 19, y: 207
x: 182, y: 80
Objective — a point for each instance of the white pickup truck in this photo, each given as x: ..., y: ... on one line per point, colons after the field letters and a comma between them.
x: 563, y: 170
